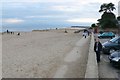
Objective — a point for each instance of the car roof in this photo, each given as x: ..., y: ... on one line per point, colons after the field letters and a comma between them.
x: 118, y: 36
x: 107, y: 32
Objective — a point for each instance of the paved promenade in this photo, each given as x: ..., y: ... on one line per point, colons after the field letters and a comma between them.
x: 72, y: 61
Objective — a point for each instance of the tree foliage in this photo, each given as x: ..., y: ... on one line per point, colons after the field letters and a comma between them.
x: 108, y: 19
x: 93, y: 25
x: 118, y: 18
x: 107, y: 7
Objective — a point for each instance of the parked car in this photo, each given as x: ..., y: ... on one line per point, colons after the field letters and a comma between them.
x: 101, y: 32
x: 111, y: 45
x: 106, y: 35
x: 115, y: 58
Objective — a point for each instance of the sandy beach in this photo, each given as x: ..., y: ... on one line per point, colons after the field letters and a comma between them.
x: 44, y: 54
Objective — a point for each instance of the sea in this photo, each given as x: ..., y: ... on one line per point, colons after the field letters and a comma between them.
x: 30, y: 27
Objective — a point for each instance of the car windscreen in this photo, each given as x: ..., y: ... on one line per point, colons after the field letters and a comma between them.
x: 114, y: 39
x: 119, y: 55
x: 105, y: 33
x: 116, y: 54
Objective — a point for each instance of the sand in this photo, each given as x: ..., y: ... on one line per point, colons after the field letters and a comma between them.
x: 42, y: 54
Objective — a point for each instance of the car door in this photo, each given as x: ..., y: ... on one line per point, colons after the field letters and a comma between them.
x: 104, y: 35
x: 117, y: 42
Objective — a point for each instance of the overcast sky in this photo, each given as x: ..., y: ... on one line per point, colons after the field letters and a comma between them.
x: 74, y: 12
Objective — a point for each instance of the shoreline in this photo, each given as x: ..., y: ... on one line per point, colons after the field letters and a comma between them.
x: 68, y: 28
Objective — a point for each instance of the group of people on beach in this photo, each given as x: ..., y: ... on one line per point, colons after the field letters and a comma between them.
x: 86, y: 33
x: 10, y: 32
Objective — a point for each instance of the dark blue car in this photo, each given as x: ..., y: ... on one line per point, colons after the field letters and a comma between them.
x: 115, y: 58
x: 111, y: 45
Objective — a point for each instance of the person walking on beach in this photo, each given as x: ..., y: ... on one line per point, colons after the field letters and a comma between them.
x: 18, y: 33
x: 85, y: 34
x: 7, y: 31
x: 97, y: 49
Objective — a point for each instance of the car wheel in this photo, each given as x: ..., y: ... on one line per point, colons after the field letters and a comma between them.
x: 111, y: 51
x: 111, y: 37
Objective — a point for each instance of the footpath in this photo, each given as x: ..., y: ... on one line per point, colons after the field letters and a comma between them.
x: 72, y: 60
x: 92, y: 67
x: 103, y: 70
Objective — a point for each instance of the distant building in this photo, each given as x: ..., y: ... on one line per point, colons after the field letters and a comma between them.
x: 119, y: 8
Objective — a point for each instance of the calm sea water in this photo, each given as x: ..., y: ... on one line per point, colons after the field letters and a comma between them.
x: 30, y: 26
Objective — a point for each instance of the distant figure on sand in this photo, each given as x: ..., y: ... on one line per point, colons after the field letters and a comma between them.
x: 88, y: 33
x: 7, y: 31
x: 85, y: 34
x: 66, y: 31
x: 18, y: 33
x: 12, y: 32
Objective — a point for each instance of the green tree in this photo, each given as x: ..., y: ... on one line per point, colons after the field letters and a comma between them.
x: 93, y: 25
x: 118, y: 18
x: 107, y: 7
x: 108, y: 19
